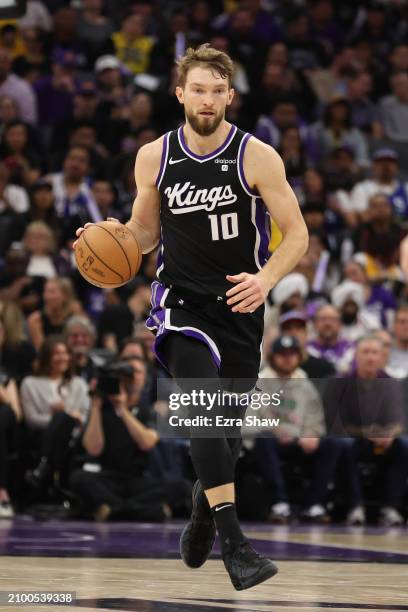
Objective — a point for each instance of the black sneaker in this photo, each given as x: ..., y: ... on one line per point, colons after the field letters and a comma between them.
x: 246, y: 567
x: 197, y: 538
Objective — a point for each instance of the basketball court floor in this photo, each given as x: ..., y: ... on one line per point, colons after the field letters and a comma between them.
x: 136, y: 566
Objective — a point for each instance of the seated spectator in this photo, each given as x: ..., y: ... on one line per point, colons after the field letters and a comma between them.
x: 385, y: 180
x: 132, y: 47
x: 394, y: 109
x: 284, y: 114
x: 364, y: 114
x: 94, y: 29
x: 34, y: 63
x: 342, y: 173
x: 12, y: 41
x: 294, y: 323
x: 300, y: 433
x: 13, y: 202
x: 293, y: 154
x: 9, y: 111
x: 10, y: 416
x: 118, y: 437
x: 16, y: 353
x: 19, y: 155
x: 324, y: 26
x: 55, y: 91
x: 59, y: 304
x: 399, y: 351
x: 74, y: 202
x: 105, y: 198
x: 289, y: 294
x: 386, y: 341
x: 15, y: 284
x: 41, y: 207
x: 336, y: 129
x: 369, y: 406
x: 110, y: 81
x: 117, y: 320
x: 329, y: 343
x: 21, y: 92
x: 378, y: 300
x: 377, y: 240
x: 54, y: 403
x: 80, y: 337
x: 39, y: 242
x: 36, y: 16
x: 348, y: 297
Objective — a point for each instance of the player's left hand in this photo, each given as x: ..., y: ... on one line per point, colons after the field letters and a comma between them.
x: 249, y: 293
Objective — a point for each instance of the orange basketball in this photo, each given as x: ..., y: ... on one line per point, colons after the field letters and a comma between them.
x: 108, y: 255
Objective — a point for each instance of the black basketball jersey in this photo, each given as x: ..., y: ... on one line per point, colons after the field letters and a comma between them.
x: 212, y: 223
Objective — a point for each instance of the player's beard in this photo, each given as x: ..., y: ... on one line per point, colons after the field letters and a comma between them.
x: 204, y: 126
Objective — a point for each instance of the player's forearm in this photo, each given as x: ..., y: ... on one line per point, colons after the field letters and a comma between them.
x: 292, y: 248
x: 148, y: 239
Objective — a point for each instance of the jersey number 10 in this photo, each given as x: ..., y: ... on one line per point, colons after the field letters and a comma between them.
x: 228, y: 224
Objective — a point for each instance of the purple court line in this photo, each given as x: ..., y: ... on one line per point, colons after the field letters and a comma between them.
x: 311, y: 604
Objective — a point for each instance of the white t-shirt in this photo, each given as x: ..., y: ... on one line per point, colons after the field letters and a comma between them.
x: 363, y: 191
x: 17, y: 197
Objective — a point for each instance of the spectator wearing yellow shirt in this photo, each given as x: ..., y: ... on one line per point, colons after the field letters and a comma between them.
x: 11, y: 40
x: 132, y: 47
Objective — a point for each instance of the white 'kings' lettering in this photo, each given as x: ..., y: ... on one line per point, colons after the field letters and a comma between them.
x: 186, y: 198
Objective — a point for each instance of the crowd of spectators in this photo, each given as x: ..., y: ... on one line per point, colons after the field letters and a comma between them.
x: 83, y: 85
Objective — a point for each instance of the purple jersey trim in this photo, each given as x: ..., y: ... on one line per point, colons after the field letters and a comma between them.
x: 163, y: 158
x: 224, y: 145
x: 241, y: 166
x: 262, y: 221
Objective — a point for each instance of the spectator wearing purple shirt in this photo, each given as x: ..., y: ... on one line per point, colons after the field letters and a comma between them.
x: 323, y: 27
x: 12, y: 86
x: 369, y: 405
x: 328, y: 343
x: 55, y: 92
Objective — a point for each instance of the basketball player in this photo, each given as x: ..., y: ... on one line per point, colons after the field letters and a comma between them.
x: 204, y: 193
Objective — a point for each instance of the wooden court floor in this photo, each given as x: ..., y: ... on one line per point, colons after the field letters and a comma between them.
x: 136, y: 567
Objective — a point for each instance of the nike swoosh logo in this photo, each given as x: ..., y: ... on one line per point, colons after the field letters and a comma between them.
x: 221, y: 507
x: 176, y: 161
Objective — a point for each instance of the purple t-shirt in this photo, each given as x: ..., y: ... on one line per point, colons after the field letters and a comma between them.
x: 54, y: 105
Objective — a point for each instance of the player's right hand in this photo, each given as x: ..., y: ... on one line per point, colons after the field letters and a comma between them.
x: 82, y: 229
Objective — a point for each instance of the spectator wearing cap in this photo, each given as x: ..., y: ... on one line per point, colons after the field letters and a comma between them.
x: 21, y: 92
x: 329, y: 343
x: 378, y: 240
x: 385, y: 180
x: 294, y: 323
x: 348, y: 297
x: 378, y: 300
x: 369, y: 406
x: 132, y: 47
x: 74, y: 201
x: 110, y: 79
x: 300, y: 433
x: 394, y: 109
x: 55, y: 92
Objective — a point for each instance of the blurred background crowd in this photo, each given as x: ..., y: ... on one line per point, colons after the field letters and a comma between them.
x: 83, y: 85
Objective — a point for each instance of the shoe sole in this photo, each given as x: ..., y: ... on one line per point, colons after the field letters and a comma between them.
x: 268, y: 572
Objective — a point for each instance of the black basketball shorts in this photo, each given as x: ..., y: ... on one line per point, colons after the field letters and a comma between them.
x: 234, y: 339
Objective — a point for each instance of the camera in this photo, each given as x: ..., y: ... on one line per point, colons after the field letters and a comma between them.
x: 110, y: 376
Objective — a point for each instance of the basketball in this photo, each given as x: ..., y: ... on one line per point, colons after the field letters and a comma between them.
x: 108, y: 255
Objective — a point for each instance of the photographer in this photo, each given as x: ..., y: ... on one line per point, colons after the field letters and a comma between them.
x: 119, y: 435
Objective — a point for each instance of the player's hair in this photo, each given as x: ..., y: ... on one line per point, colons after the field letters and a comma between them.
x: 205, y: 56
